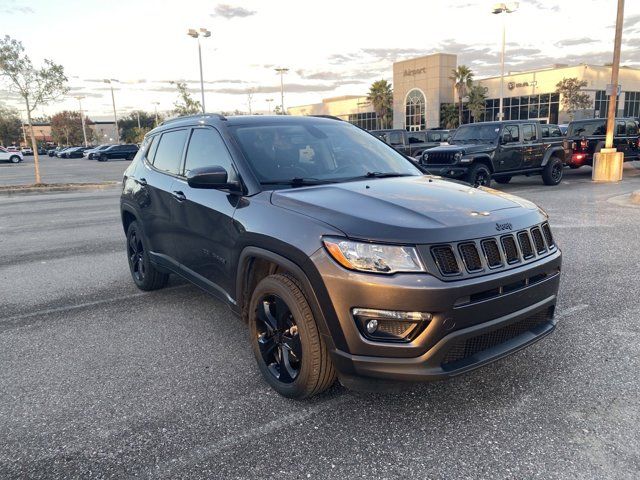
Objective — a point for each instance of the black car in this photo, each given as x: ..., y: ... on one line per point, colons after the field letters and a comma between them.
x: 412, y: 143
x: 341, y: 256
x: 92, y: 153
x: 126, y: 152
x: 480, y: 152
x: 586, y: 137
x: 76, y: 152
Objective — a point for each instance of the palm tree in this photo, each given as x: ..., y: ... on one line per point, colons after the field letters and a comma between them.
x: 448, y: 116
x: 462, y: 77
x: 477, y: 101
x: 381, y: 97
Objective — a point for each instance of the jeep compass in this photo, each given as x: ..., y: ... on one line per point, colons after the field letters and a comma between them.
x: 345, y: 261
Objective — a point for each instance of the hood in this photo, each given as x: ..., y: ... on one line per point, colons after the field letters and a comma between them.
x: 415, y: 210
x: 465, y: 148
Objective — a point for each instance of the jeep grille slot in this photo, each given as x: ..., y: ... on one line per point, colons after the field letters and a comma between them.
x: 492, y: 253
x: 525, y: 245
x: 538, y: 240
x: 547, y: 235
x: 471, y: 257
x: 510, y: 249
x: 446, y: 260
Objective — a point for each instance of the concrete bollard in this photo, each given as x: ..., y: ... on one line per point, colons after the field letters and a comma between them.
x: 607, y: 165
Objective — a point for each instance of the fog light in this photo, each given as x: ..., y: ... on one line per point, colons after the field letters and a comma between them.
x: 390, y: 325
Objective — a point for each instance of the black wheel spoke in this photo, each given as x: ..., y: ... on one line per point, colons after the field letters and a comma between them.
x: 292, y: 343
x: 282, y: 314
x: 287, y: 372
x: 133, y: 244
x: 266, y: 317
x: 267, y: 346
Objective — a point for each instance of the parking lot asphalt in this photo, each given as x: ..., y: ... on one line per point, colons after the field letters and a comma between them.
x: 98, y: 379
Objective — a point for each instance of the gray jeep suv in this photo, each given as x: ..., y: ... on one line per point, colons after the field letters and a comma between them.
x: 344, y: 259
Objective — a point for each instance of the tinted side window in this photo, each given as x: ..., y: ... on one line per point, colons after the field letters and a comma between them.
x: 151, y: 151
x: 435, y: 137
x: 514, y: 131
x: 555, y: 132
x: 528, y: 133
x: 545, y: 131
x: 416, y: 137
x: 632, y: 128
x: 395, y: 138
x: 207, y: 149
x: 621, y: 128
x: 169, y: 151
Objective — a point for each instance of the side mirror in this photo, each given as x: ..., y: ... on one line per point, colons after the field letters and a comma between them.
x: 506, y: 138
x: 214, y: 177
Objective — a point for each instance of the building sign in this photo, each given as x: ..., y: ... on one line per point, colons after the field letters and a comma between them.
x: 412, y: 72
x: 512, y: 85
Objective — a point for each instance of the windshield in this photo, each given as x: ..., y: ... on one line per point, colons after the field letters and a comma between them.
x: 303, y: 153
x: 475, y: 133
x: 597, y: 127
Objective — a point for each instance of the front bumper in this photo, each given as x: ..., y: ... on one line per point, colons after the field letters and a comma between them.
x: 449, y: 344
x: 449, y: 171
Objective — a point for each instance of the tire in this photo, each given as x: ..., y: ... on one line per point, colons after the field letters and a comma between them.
x: 290, y: 352
x: 14, y: 159
x: 144, y: 274
x: 479, y: 175
x: 575, y: 167
x: 503, y: 180
x: 102, y: 158
x: 552, y: 173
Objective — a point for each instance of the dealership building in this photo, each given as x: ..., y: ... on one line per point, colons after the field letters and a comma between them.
x: 421, y: 86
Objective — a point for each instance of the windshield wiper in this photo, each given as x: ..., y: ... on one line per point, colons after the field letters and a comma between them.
x: 378, y: 175
x: 297, y: 182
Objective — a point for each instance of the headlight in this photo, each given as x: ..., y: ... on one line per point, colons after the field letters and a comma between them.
x: 457, y: 156
x: 370, y: 257
x: 425, y: 157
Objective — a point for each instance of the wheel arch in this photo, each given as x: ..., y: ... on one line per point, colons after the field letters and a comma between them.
x: 485, y: 160
x: 557, y: 151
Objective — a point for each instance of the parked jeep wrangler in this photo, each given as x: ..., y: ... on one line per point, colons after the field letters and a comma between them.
x: 479, y: 152
x: 412, y: 144
x: 586, y: 137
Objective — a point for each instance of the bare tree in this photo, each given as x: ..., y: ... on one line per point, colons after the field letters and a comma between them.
x: 36, y: 86
x: 249, y: 99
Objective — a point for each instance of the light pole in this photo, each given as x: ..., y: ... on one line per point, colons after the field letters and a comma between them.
x: 155, y: 110
x: 84, y: 131
x: 116, y: 135
x: 282, y: 71
x: 197, y: 34
x: 499, y: 8
x: 269, y: 100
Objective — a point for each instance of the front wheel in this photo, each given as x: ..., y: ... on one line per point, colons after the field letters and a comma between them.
x: 144, y: 273
x: 291, y: 354
x: 479, y: 175
x: 552, y: 173
x: 14, y: 159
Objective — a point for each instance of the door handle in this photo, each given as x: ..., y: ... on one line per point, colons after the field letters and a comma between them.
x: 178, y: 196
x: 141, y: 181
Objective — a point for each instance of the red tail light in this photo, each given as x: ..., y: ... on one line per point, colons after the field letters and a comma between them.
x: 583, y: 144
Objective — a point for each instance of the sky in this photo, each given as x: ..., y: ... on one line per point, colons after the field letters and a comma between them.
x: 331, y: 47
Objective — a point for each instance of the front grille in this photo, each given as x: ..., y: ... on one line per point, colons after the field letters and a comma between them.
x: 492, y: 253
x: 440, y: 158
x: 395, y: 328
x: 525, y: 245
x: 471, y: 257
x: 510, y: 249
x: 547, y: 235
x: 464, y: 349
x: 538, y: 240
x: 446, y: 260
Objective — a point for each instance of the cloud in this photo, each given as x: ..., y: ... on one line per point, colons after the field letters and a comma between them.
x: 544, y: 5
x: 570, y: 42
x: 12, y: 8
x: 631, y: 21
x: 228, y: 11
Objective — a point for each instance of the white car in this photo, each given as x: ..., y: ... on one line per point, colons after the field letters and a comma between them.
x: 12, y: 156
x: 26, y: 151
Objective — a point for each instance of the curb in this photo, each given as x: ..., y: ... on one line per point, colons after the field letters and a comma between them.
x: 53, y: 187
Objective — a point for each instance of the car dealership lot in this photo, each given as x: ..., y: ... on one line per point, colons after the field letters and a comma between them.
x: 100, y: 379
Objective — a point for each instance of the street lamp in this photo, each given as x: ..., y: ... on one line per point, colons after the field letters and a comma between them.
x: 84, y: 131
x: 269, y: 100
x: 282, y: 71
x: 113, y: 101
x: 155, y: 109
x: 197, y: 34
x: 499, y: 8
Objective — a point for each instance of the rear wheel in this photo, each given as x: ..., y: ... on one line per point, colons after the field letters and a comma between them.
x: 552, y: 173
x: 144, y: 274
x: 102, y: 158
x: 14, y: 159
x: 479, y: 175
x: 503, y: 180
x: 288, y: 347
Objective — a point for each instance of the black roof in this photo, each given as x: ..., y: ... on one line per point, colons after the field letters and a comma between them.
x: 601, y: 119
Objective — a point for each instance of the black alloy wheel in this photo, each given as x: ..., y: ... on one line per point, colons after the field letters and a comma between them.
x: 278, y: 338
x: 553, y: 171
x: 136, y: 256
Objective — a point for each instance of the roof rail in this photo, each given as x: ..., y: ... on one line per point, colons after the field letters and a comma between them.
x: 332, y: 117
x: 199, y: 115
